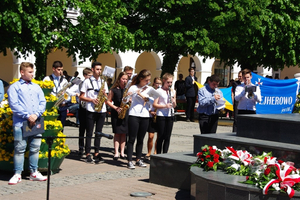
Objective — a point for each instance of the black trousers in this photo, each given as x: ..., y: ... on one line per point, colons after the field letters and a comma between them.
x: 190, y: 106
x: 235, y: 113
x: 82, y: 126
x: 62, y: 115
x: 164, y: 131
x: 91, y: 119
x: 137, y: 128
x: 208, y: 123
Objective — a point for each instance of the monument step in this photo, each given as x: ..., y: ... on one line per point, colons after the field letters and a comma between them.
x: 283, y: 151
x: 274, y: 127
x: 213, y: 185
x: 172, y: 169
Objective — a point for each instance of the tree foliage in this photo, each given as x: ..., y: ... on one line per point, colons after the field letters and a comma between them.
x: 257, y: 33
x: 248, y: 32
x: 41, y: 26
x: 172, y: 27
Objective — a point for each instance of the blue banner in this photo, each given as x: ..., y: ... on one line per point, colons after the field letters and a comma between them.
x: 278, y: 96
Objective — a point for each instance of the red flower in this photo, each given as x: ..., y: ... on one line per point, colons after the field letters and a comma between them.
x: 202, y: 160
x: 267, y: 171
x: 247, y: 177
x: 210, y: 164
x: 204, y: 150
x: 280, y: 161
x: 216, y: 160
x: 265, y: 160
x: 208, y: 156
x: 210, y: 147
x: 199, y: 154
x: 212, y: 151
x: 216, y: 156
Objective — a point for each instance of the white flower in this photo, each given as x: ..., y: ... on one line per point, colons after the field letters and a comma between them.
x: 276, y: 186
x: 258, y: 172
x: 225, y: 153
x: 3, y: 103
x: 236, y: 166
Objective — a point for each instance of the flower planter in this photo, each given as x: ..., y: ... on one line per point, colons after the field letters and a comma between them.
x: 50, y: 118
x: 52, y: 132
x: 8, y: 146
x: 50, y: 104
x: 55, y: 164
x: 44, y: 147
x: 7, y: 165
x: 47, y: 91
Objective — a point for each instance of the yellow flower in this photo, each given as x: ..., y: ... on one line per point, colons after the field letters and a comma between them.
x: 14, y: 80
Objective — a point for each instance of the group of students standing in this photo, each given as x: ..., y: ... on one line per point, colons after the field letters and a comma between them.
x: 151, y: 109
x: 146, y: 103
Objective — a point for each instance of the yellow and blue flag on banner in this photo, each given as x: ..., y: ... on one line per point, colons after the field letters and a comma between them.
x: 226, y: 95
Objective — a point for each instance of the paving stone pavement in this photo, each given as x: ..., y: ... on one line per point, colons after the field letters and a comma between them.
x: 109, y: 180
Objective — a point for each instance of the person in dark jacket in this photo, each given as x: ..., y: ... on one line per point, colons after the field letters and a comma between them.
x: 190, y: 94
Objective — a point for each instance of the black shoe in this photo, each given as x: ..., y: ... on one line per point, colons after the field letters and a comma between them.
x: 188, y: 120
x: 116, y: 158
x: 123, y: 157
x: 89, y: 159
x: 98, y: 159
x: 80, y: 152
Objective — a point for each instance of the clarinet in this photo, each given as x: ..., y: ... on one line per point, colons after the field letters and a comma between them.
x: 170, y: 100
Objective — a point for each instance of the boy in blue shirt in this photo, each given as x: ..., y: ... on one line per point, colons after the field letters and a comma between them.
x: 27, y: 101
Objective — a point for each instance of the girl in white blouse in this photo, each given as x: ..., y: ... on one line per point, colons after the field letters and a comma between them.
x: 139, y: 115
x: 165, y: 105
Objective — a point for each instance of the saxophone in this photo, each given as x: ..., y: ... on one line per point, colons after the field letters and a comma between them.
x: 101, y: 97
x: 62, y: 94
x: 125, y: 105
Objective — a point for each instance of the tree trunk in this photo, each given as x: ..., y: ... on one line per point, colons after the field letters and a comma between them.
x: 169, y: 62
x: 41, y: 65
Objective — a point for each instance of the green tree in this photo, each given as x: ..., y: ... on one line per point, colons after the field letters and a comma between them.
x: 248, y: 32
x: 257, y: 33
x: 172, y: 27
x: 40, y: 26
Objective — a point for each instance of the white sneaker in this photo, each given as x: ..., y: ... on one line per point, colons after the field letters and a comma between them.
x: 140, y: 163
x: 130, y: 165
x: 37, y: 176
x: 15, y: 179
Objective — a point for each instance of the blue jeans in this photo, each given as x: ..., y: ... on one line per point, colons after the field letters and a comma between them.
x: 20, y: 148
x: 74, y: 108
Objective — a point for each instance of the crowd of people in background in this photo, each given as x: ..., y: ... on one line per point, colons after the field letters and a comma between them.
x: 135, y: 107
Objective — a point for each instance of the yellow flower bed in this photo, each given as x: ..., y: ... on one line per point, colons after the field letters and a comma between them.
x: 50, y: 125
x: 60, y: 150
x: 51, y: 112
x: 42, y: 84
x: 5, y: 155
x: 51, y: 98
